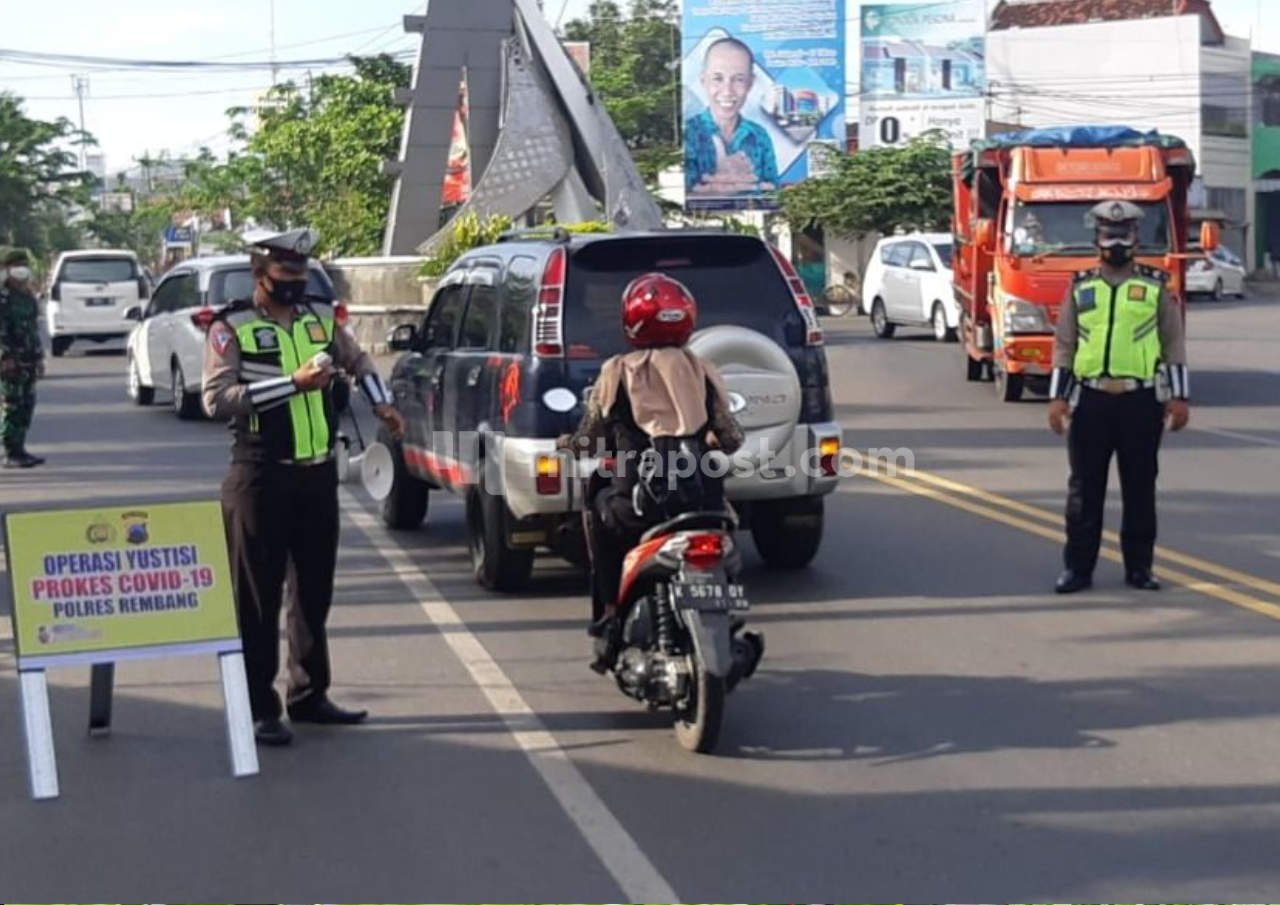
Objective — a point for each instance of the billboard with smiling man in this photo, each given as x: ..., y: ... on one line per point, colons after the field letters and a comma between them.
x: 763, y: 98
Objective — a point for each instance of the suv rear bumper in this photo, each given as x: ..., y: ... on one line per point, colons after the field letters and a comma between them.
x: 795, y: 471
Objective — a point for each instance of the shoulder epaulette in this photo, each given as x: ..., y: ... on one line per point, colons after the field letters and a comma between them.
x: 235, y: 306
x: 1151, y: 273
x: 1090, y: 274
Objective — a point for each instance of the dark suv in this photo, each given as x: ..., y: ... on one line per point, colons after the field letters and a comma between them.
x: 512, y: 326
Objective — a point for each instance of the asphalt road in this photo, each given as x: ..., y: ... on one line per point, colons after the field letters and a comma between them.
x: 930, y: 721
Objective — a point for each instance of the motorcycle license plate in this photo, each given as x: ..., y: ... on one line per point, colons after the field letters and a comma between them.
x: 712, y: 597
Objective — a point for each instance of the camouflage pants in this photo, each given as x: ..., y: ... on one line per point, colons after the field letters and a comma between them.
x: 17, y: 404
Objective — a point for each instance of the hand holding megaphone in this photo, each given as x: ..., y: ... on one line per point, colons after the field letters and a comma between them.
x: 374, y: 467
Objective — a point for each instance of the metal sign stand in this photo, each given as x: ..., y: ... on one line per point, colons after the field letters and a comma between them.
x: 37, y: 721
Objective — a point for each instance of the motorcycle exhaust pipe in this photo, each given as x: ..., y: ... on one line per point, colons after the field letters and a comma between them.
x: 748, y: 651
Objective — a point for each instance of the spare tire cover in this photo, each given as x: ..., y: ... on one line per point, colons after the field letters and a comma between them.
x: 764, y: 388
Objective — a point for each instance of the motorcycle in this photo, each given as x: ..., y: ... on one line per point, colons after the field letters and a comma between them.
x: 679, y: 623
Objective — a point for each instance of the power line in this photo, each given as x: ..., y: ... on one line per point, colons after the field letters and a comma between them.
x: 57, y: 59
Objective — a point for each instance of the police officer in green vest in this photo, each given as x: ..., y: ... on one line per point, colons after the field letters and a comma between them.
x: 1120, y: 356
x: 269, y: 363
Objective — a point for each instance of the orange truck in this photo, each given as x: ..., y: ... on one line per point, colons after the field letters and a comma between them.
x: 1021, y: 234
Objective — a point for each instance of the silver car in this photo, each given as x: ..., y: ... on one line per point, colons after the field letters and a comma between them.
x: 166, y: 348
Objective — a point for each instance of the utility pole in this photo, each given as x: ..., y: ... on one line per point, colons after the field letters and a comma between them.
x: 80, y: 84
x: 274, y: 68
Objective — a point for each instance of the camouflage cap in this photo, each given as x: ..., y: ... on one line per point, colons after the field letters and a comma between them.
x: 14, y: 257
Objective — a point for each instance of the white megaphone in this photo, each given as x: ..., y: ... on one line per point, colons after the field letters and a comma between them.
x: 374, y: 466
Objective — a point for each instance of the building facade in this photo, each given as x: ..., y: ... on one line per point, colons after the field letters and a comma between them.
x: 1150, y: 65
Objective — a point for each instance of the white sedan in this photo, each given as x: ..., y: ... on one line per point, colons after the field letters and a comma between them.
x: 1217, y: 274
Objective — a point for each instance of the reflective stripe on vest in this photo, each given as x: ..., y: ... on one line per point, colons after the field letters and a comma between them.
x: 266, y: 342
x: 1119, y: 328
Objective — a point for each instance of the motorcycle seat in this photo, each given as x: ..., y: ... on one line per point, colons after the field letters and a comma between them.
x: 692, y: 521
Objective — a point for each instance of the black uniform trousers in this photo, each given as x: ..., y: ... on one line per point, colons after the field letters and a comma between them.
x: 1130, y: 426
x: 282, y: 520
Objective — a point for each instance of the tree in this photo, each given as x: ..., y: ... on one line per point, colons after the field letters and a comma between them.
x: 877, y: 190
x: 39, y: 180
x: 140, y: 230
x: 315, y: 158
x: 636, y: 73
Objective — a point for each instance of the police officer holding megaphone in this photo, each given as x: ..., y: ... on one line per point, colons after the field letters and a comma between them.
x: 269, y: 365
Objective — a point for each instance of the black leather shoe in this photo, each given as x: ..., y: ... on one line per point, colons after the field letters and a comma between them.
x: 1143, y: 581
x: 272, y: 733
x: 323, y: 710
x: 1071, y: 581
x: 22, y: 460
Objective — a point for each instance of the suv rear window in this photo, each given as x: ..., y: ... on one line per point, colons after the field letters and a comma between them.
x: 229, y: 285
x: 98, y: 270
x: 733, y: 278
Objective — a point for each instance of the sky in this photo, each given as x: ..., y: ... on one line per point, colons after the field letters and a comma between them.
x: 136, y: 113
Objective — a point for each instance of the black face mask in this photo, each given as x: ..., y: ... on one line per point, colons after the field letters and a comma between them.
x: 1118, y: 255
x: 290, y: 293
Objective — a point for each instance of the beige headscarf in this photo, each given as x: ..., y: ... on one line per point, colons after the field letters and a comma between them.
x: 667, y: 389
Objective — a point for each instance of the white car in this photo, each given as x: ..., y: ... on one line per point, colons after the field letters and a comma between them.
x: 166, y: 348
x: 1216, y: 274
x: 88, y: 294
x: 908, y: 282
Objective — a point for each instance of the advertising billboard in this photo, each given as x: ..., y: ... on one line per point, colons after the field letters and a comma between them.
x: 923, y: 68
x: 763, y: 97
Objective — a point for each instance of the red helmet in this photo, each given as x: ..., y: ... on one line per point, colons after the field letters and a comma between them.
x: 658, y: 311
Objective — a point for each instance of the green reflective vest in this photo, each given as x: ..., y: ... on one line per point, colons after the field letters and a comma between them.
x: 1119, y: 335
x: 304, y: 427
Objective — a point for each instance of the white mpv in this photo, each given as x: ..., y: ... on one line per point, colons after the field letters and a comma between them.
x: 908, y: 283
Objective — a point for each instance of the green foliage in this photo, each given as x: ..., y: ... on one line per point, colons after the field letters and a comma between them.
x: 877, y: 190
x: 466, y: 232
x: 635, y: 71
x: 315, y: 158
x: 39, y: 180
x: 140, y: 231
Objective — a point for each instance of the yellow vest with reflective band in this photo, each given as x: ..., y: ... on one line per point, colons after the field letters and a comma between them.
x: 299, y: 429
x: 1119, y: 326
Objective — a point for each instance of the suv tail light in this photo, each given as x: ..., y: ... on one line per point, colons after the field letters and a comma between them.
x: 55, y: 294
x: 144, y: 292
x: 548, y: 316
x: 203, y: 319
x: 341, y: 313
x: 813, y: 332
x: 704, y: 551
x: 828, y: 451
x: 548, y: 475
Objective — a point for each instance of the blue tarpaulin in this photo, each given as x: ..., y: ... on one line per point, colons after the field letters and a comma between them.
x: 1070, y: 137
x: 1081, y: 137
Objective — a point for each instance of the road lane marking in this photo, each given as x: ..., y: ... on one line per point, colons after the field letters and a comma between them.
x: 617, y: 850
x: 1184, y: 579
x: 1162, y: 553
x: 1236, y: 435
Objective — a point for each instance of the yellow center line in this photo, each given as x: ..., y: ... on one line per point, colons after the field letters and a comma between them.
x: 1162, y: 553
x: 1183, y: 579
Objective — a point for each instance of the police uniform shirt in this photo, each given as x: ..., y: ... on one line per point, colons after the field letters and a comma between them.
x: 227, y: 397
x: 1170, y: 327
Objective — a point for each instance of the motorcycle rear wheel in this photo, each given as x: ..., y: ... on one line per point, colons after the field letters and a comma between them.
x: 698, y: 729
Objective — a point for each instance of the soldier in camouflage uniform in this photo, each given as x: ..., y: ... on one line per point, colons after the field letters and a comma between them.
x: 21, y: 357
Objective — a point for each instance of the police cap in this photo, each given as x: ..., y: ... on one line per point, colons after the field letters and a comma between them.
x: 1113, y: 213
x: 292, y: 246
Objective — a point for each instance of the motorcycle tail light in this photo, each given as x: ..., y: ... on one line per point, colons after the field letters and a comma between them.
x: 704, y: 551
x: 547, y: 477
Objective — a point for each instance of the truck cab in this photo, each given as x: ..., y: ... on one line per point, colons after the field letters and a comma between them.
x: 1021, y: 234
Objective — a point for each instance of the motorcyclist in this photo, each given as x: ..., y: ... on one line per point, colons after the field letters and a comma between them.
x: 658, y: 397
